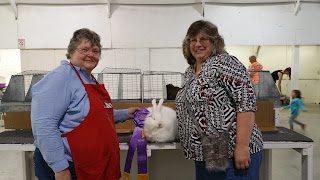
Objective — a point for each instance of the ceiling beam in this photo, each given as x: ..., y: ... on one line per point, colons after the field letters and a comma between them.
x: 203, y: 3
x: 14, y: 7
x: 297, y: 7
x: 109, y: 8
x: 155, y: 2
x: 257, y: 51
x: 257, y: 1
x: 151, y: 2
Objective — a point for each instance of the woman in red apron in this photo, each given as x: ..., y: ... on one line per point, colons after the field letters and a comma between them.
x: 93, y: 143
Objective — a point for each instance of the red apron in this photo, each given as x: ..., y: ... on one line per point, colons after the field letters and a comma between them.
x: 94, y: 143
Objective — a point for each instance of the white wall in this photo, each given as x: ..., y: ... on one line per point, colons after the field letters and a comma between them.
x: 9, y: 63
x: 167, y: 60
x: 8, y: 28
x: 135, y: 26
x: 266, y: 24
x: 149, y: 37
x: 2, y: 79
x: 309, y: 73
x: 151, y: 26
x: 41, y: 59
x: 52, y: 26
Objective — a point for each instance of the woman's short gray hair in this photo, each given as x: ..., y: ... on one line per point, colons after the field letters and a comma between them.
x: 83, y: 34
x: 208, y: 29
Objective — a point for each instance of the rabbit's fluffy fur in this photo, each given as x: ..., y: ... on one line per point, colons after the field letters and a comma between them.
x: 161, y: 123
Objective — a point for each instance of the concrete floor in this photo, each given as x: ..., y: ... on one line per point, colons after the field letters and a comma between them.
x: 286, y: 162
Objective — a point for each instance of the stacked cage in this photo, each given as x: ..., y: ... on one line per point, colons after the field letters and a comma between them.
x: 266, y: 89
x: 19, y: 88
x: 161, y: 84
x: 15, y: 104
x: 122, y: 84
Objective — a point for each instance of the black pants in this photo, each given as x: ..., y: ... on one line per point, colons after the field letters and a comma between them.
x: 43, y: 171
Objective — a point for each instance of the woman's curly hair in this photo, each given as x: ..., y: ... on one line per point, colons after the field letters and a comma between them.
x: 208, y: 29
x: 83, y: 34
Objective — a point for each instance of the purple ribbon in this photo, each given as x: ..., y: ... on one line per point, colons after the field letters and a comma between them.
x: 138, y: 141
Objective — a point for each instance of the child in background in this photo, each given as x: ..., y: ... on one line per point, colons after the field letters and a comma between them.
x: 295, y: 104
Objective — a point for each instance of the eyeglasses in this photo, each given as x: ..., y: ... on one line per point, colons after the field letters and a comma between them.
x: 86, y: 51
x: 201, y: 40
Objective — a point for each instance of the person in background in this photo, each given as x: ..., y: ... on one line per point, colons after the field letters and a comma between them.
x: 278, y: 75
x: 73, y: 121
x: 218, y: 90
x: 254, y: 67
x: 294, y: 106
x: 1, y: 93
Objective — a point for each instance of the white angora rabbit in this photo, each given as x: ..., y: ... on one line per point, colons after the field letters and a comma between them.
x: 161, y: 124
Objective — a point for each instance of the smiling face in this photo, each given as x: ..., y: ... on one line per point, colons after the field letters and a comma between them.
x: 85, y: 56
x: 200, y: 47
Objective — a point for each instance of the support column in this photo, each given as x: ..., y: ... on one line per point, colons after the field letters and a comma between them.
x: 295, y: 68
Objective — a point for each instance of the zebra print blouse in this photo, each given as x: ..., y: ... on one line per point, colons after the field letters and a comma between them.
x: 221, y: 89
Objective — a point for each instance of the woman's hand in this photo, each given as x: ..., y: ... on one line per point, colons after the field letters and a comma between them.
x: 245, y: 123
x: 241, y: 157
x: 63, y: 175
x: 132, y: 110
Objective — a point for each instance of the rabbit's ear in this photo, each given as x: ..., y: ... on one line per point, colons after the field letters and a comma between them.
x: 159, y: 105
x: 154, y: 105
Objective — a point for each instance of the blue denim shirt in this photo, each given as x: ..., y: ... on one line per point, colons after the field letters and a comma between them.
x: 59, y: 104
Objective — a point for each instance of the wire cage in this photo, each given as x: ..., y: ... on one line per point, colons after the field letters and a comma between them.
x: 266, y: 89
x: 28, y: 75
x: 161, y: 84
x: 19, y: 88
x: 121, y: 83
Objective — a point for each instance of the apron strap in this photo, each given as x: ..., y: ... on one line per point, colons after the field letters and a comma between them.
x: 80, y: 76
x: 77, y: 73
x: 94, y: 79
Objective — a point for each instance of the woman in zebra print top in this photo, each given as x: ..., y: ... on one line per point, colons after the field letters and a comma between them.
x: 219, y: 92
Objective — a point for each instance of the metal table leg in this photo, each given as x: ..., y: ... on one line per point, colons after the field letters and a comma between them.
x: 306, y: 162
x: 266, y: 167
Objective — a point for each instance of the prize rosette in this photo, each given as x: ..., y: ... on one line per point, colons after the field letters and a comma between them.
x: 138, y: 141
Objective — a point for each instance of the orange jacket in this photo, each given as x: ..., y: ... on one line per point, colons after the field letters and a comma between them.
x: 255, y: 75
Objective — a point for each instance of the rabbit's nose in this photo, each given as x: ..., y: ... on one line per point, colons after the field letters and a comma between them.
x: 159, y: 125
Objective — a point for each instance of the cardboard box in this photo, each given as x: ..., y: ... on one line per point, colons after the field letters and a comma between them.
x: 264, y: 116
x: 17, y: 120
x: 22, y: 120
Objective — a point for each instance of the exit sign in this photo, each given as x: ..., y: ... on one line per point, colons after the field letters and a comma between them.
x: 21, y: 43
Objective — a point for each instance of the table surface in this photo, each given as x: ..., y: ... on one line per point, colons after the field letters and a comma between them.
x: 26, y: 137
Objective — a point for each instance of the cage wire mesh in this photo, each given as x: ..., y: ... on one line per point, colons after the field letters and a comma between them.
x: 121, y: 83
x: 28, y: 75
x: 266, y: 89
x: 155, y: 83
x: 19, y: 87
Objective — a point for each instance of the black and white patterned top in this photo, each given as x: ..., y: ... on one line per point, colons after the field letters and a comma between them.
x: 221, y: 89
